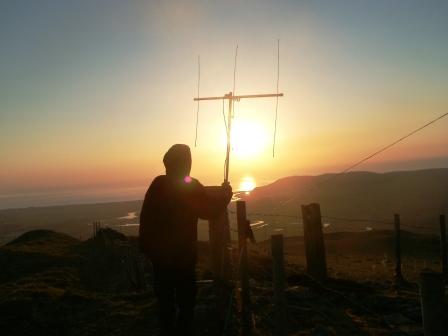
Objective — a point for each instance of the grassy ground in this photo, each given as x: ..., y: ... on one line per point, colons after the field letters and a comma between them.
x: 52, y: 284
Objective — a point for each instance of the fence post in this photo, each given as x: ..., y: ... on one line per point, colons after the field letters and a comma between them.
x: 398, y: 274
x: 242, y: 222
x: 313, y: 236
x: 220, y: 247
x: 95, y: 229
x: 278, y: 269
x: 219, y: 242
x: 443, y: 247
x: 432, y: 290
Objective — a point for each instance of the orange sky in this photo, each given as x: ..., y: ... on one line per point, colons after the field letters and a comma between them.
x: 93, y: 95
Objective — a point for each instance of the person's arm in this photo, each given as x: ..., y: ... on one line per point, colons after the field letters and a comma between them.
x: 209, y: 202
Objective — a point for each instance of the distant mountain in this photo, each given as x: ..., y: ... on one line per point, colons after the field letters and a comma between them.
x: 418, y: 196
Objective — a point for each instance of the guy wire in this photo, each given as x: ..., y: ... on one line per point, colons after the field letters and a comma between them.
x: 392, y: 144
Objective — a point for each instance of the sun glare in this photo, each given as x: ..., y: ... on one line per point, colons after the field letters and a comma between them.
x: 248, y: 138
x: 247, y: 184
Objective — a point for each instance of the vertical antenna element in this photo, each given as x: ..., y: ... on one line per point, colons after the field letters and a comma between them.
x: 197, y: 108
x: 276, y: 102
x: 234, y: 79
x: 229, y: 119
x: 234, y: 70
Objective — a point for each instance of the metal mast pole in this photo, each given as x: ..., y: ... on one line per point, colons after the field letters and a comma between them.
x: 229, y: 128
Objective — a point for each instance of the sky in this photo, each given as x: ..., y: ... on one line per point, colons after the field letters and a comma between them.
x: 93, y: 93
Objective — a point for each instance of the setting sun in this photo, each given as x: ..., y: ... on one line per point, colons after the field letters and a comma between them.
x: 248, y: 138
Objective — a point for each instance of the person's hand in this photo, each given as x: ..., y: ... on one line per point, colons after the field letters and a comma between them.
x: 227, y: 188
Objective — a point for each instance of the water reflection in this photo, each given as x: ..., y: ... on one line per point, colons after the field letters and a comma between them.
x: 247, y: 184
x: 130, y: 215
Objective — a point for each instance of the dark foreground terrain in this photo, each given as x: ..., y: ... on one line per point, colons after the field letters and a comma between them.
x: 53, y: 284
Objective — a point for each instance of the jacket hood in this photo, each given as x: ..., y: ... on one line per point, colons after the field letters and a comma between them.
x: 177, y: 161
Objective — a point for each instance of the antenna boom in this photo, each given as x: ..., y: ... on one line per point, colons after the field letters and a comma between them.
x: 232, y: 97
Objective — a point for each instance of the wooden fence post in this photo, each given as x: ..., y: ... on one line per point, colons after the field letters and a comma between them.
x: 242, y: 222
x: 443, y: 247
x: 398, y: 274
x: 432, y: 290
x: 95, y: 229
x: 313, y: 236
x: 220, y: 251
x: 278, y: 269
x: 219, y: 236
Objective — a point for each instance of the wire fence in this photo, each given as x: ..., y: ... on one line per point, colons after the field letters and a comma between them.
x: 262, y: 224
x: 317, y: 267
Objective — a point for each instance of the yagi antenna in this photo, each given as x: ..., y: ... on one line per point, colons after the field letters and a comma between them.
x: 232, y: 97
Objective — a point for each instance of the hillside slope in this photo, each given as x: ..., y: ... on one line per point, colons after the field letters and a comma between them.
x: 418, y: 196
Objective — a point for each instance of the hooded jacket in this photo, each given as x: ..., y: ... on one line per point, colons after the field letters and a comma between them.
x: 170, y: 212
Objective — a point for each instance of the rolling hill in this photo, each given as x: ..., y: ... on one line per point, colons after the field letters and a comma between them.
x: 360, y: 199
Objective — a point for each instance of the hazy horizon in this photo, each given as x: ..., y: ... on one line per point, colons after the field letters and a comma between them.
x: 106, y: 194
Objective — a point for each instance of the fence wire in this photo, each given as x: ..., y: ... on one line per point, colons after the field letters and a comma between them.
x: 332, y: 218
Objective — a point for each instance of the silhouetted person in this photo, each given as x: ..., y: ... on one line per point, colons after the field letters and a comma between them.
x: 168, y: 236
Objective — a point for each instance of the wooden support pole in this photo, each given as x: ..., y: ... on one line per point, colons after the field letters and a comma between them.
x: 443, y: 247
x: 398, y: 274
x: 316, y: 264
x: 432, y: 291
x: 220, y: 251
x: 219, y: 234
x: 278, y: 268
x: 246, y: 318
